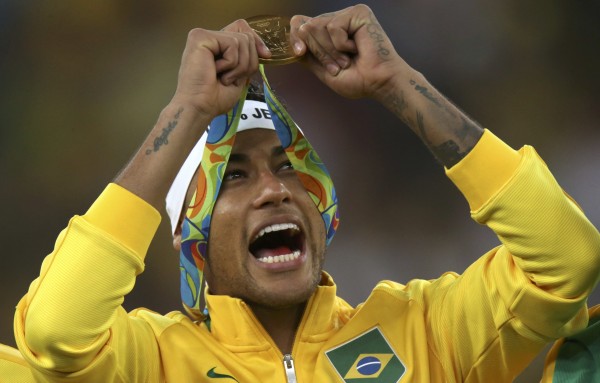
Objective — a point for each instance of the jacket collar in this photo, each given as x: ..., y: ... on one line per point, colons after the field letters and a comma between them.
x: 234, y: 325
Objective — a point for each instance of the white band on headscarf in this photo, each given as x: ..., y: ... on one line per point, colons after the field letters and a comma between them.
x: 255, y: 114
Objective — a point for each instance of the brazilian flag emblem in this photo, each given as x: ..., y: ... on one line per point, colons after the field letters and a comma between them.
x: 368, y: 358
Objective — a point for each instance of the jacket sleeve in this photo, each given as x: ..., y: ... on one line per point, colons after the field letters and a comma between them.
x: 70, y: 326
x: 530, y: 290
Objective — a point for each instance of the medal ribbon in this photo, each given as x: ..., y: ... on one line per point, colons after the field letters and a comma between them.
x: 221, y: 137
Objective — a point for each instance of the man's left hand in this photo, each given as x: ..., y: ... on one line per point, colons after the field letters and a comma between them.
x: 349, y: 51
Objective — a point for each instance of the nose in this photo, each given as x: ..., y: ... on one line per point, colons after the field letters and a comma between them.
x: 271, y: 190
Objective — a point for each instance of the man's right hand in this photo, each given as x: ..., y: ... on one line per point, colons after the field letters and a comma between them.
x: 215, y: 67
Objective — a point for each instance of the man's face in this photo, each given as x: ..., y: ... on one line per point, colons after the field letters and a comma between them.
x: 267, y: 238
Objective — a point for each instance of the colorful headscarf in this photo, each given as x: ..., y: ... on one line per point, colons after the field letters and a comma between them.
x: 219, y: 141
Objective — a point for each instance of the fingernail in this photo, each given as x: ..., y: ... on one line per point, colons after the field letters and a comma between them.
x: 297, y: 48
x: 344, y: 62
x: 333, y: 69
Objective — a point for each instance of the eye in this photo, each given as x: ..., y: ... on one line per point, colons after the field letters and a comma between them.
x: 287, y: 165
x: 233, y: 174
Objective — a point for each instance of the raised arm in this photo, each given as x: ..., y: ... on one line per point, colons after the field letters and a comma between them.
x: 522, y: 294
x: 350, y: 52
x: 71, y: 322
x: 214, y: 69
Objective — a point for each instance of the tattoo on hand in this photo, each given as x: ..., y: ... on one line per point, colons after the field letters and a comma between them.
x: 376, y: 34
x: 163, y: 138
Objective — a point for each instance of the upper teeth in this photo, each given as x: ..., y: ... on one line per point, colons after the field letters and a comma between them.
x: 277, y: 227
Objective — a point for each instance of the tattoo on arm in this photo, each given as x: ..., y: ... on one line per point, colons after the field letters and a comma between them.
x: 426, y: 93
x: 399, y: 104
x: 421, y: 126
x: 163, y: 138
x: 449, y: 152
x: 449, y: 133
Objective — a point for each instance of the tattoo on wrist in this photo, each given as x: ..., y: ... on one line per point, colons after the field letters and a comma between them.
x: 421, y: 125
x: 163, y: 138
x: 398, y: 104
x: 459, y: 132
x: 376, y: 34
x: 426, y: 93
x: 449, y: 152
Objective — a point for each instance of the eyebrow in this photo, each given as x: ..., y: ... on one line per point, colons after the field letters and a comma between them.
x: 276, y: 151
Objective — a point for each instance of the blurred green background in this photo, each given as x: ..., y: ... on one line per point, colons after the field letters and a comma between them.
x: 83, y: 82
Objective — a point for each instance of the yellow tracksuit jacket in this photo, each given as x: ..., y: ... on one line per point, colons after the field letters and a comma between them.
x: 484, y: 325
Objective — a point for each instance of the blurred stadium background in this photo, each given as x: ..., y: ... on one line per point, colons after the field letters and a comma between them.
x: 81, y: 84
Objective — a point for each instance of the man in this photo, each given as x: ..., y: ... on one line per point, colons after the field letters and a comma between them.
x: 272, y: 312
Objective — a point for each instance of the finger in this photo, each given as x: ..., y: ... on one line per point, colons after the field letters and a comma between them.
x: 338, y: 29
x: 236, y: 26
x: 238, y: 71
x: 365, y: 32
x: 315, y: 66
x: 227, y: 57
x: 322, y: 56
x: 242, y: 26
x: 337, y: 49
x: 252, y: 62
x: 247, y: 62
x: 320, y: 45
x: 297, y: 41
x: 261, y: 48
x: 202, y: 43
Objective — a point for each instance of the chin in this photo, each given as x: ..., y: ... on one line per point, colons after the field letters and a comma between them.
x: 286, y: 295
x: 282, y: 302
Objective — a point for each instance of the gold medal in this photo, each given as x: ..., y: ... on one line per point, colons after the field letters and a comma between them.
x: 275, y: 32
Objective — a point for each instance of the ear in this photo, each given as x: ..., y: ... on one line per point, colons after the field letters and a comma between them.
x: 177, y: 239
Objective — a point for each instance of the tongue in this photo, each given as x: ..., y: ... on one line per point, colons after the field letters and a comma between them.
x: 265, y: 252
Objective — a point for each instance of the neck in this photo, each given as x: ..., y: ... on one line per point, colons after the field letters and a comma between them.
x: 280, y: 323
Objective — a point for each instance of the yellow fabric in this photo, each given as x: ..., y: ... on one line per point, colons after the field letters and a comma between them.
x: 484, y: 325
x: 105, y: 270
x: 13, y: 368
x: 484, y: 170
x: 134, y: 212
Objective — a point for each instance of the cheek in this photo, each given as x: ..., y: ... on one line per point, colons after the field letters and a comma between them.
x: 227, y: 228
x: 224, y: 217
x: 224, y: 249
x: 314, y: 217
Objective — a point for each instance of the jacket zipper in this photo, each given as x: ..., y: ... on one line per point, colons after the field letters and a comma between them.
x: 288, y: 365
x: 288, y: 361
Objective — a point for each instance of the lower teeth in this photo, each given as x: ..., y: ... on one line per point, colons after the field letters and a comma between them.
x: 281, y: 258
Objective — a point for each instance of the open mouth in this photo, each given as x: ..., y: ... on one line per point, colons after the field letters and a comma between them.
x: 281, y: 242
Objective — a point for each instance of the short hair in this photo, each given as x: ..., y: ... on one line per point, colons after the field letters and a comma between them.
x: 255, y: 91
